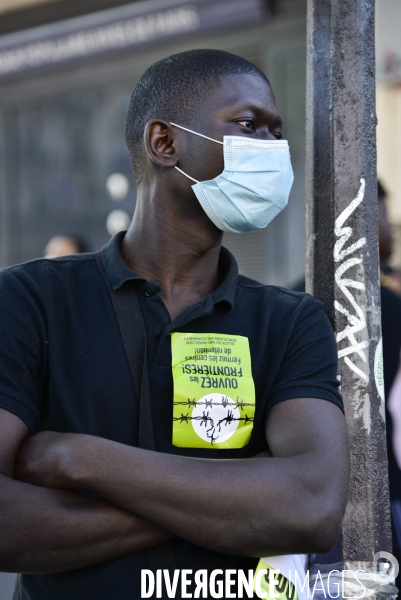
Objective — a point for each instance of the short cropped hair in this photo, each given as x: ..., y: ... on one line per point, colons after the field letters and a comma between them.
x: 173, y: 89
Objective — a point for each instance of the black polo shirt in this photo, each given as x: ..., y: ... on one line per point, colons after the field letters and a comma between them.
x: 63, y: 368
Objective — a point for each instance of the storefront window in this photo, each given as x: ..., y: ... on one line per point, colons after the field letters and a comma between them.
x: 67, y: 148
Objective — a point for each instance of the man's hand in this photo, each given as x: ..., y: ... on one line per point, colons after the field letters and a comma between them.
x: 46, y: 530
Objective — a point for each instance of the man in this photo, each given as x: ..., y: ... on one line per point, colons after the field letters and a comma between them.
x: 63, y: 366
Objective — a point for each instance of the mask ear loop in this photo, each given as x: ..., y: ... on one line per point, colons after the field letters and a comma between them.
x: 200, y: 135
x: 189, y: 177
x: 153, y: 160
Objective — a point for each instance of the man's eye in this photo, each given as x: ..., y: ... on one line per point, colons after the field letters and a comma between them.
x: 246, y: 123
x: 278, y: 135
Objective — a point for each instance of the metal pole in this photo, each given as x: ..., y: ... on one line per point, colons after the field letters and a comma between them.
x: 342, y: 246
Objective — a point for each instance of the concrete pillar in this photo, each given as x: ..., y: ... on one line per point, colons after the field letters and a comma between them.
x: 342, y: 246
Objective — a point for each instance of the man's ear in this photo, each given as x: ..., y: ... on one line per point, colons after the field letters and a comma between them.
x: 160, y: 140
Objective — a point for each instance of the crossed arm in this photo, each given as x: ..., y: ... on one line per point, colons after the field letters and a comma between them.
x: 47, y: 530
x: 291, y: 502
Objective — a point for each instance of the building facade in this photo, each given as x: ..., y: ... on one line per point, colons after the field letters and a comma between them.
x: 65, y: 80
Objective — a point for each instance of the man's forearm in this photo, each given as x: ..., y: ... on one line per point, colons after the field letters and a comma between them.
x: 45, y: 530
x: 248, y: 507
x: 291, y: 502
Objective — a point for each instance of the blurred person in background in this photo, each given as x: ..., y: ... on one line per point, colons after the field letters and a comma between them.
x: 390, y: 289
x: 391, y: 331
x: 389, y: 278
x: 65, y: 244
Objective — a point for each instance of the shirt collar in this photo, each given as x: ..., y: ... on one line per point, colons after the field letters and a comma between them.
x: 227, y: 289
x: 119, y: 272
x: 115, y: 266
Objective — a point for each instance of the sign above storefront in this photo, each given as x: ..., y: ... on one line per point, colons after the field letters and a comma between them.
x: 116, y: 29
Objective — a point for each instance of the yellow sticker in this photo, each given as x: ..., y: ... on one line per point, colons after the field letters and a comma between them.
x: 271, y: 584
x: 214, y: 392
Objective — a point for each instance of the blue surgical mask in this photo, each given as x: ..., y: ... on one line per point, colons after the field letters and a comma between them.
x: 254, y: 186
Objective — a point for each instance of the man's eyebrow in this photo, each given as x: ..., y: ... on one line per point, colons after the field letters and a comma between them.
x: 259, y: 110
x: 274, y: 119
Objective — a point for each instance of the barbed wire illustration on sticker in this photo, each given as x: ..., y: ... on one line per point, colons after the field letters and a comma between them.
x: 213, y: 430
x: 225, y: 401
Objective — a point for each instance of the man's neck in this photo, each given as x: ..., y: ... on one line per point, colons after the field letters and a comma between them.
x: 181, y: 255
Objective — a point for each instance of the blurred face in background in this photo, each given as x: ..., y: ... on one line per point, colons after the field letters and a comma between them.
x: 61, y: 245
x: 385, y: 231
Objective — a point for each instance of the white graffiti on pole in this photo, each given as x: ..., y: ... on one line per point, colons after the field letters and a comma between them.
x: 356, y: 328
